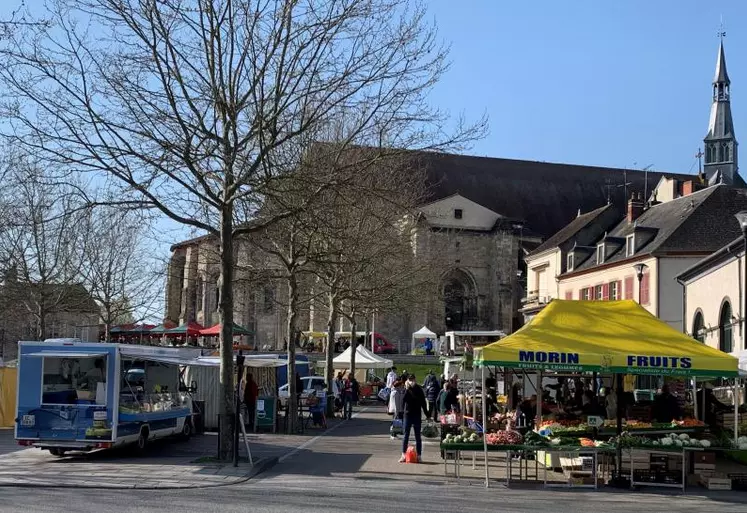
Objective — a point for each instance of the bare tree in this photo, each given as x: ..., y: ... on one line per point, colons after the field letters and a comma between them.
x: 365, y: 258
x: 117, y: 267
x: 40, y: 247
x: 193, y: 107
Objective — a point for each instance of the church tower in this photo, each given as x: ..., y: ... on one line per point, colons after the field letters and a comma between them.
x: 720, y: 142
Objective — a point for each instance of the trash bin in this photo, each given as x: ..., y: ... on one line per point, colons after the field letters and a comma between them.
x: 198, y: 417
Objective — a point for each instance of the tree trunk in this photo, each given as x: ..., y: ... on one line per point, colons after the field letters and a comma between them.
x: 368, y: 337
x: 292, y: 412
x: 41, y: 327
x: 225, y: 341
x: 328, y: 370
x: 353, y: 343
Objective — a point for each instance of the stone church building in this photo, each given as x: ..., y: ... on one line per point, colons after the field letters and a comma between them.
x: 483, y: 215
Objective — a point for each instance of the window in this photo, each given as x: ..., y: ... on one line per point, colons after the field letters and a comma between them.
x: 569, y: 294
x: 598, y: 292
x: 600, y: 254
x: 586, y: 294
x: 725, y: 334
x: 726, y: 152
x: 217, y: 297
x: 699, y: 327
x: 457, y: 213
x: 614, y: 290
x: 630, y: 245
x: 74, y: 380
x: 629, y: 281
x: 269, y: 299
x: 569, y: 262
x: 644, y: 298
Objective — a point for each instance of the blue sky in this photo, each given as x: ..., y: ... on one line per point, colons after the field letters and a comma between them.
x: 592, y: 81
x: 587, y: 81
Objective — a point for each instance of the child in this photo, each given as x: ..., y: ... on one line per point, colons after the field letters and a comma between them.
x: 396, y: 408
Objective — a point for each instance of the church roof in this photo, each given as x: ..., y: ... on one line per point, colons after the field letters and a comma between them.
x: 701, y: 222
x: 571, y: 229
x: 546, y: 196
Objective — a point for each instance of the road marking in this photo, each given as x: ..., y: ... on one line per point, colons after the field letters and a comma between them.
x: 312, y: 441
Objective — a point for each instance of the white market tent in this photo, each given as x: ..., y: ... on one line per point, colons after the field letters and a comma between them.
x: 364, y: 359
x: 422, y: 333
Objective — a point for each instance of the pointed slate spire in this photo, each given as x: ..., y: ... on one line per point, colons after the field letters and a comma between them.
x: 720, y: 141
x: 721, y: 76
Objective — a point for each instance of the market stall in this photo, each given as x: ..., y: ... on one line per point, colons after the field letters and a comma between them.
x: 423, y: 334
x: 365, y: 361
x: 602, y: 338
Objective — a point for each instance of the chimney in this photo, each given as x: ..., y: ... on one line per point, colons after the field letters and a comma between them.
x: 635, y: 207
x: 687, y: 188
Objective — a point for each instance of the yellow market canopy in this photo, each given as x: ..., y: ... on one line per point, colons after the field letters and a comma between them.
x: 605, y: 336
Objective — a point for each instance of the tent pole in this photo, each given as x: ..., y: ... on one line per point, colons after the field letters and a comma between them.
x: 619, y: 391
x: 539, y: 398
x: 485, y: 431
x: 695, y: 398
x: 736, y: 409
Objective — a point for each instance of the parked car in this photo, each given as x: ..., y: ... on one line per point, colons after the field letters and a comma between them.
x: 309, y: 384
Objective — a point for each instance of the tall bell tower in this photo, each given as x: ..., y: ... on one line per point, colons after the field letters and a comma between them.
x: 720, y: 142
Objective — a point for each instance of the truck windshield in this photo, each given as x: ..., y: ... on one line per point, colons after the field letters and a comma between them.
x: 74, y: 380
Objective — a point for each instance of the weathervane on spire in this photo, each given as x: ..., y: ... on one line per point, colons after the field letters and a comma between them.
x: 721, y: 31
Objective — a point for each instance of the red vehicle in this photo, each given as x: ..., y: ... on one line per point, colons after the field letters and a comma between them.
x: 381, y: 344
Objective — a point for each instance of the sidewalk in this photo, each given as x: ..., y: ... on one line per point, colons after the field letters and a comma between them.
x: 168, y: 464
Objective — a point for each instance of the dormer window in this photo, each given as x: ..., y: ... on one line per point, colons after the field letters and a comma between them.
x: 569, y: 262
x: 600, y: 254
x: 457, y: 213
x: 630, y: 245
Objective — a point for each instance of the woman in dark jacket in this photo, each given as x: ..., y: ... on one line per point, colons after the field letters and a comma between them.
x: 413, y: 404
x: 431, y: 394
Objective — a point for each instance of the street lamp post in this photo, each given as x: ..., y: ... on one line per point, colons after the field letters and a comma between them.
x: 742, y: 219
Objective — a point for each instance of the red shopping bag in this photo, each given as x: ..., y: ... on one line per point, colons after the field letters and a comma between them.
x: 411, y: 456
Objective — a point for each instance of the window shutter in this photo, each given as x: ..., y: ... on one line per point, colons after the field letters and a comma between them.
x: 645, y: 289
x: 606, y: 292
x: 619, y: 289
x: 629, y: 287
x: 569, y: 294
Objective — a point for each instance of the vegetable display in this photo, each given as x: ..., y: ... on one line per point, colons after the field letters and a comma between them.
x: 505, y: 438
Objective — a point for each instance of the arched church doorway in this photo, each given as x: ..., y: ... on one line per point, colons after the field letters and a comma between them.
x: 459, y: 301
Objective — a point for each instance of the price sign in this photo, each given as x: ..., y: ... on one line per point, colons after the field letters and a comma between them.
x: 594, y: 421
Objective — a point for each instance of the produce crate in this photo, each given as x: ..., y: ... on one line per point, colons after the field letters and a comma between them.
x: 738, y: 481
x: 716, y: 483
x: 704, y: 458
x: 656, y: 476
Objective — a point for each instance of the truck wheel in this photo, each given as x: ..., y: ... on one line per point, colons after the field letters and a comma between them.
x: 57, y: 452
x: 187, y: 429
x: 142, y: 439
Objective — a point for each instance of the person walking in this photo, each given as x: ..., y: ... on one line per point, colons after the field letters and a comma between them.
x: 396, y: 408
x: 251, y: 392
x: 413, y: 405
x: 348, y: 396
x: 431, y: 394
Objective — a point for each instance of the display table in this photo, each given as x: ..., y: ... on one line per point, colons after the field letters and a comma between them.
x: 581, y: 461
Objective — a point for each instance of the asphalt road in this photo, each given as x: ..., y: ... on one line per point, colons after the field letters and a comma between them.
x: 354, y: 469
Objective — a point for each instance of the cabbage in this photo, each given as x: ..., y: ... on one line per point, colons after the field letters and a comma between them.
x: 705, y: 443
x: 684, y: 436
x: 656, y: 442
x: 742, y: 440
x: 678, y: 443
x: 674, y: 436
x: 666, y: 441
x: 743, y: 446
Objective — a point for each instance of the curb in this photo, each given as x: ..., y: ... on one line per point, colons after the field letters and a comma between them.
x: 263, y: 466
